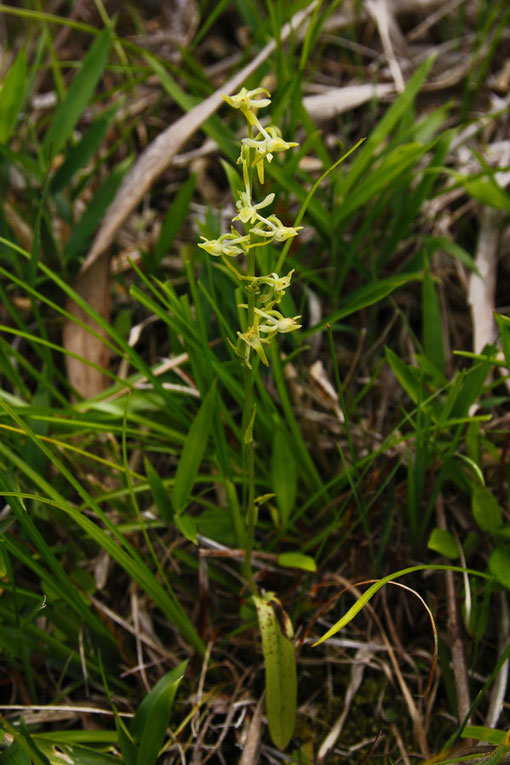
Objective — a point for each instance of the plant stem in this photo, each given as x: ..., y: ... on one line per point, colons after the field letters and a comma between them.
x: 249, y: 452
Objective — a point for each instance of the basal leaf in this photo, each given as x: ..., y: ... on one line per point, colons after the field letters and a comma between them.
x: 280, y: 668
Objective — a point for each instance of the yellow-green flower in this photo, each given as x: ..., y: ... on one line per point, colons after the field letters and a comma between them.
x: 253, y: 340
x: 265, y: 144
x: 227, y: 244
x: 245, y: 101
x: 276, y: 229
x: 276, y: 322
x: 247, y: 211
x: 278, y: 285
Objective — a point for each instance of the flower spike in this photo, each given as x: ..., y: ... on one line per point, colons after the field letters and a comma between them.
x: 262, y: 292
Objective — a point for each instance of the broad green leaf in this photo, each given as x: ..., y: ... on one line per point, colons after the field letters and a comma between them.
x: 12, y: 94
x: 405, y: 375
x: 501, y: 750
x: 80, y: 154
x: 284, y: 475
x: 79, y: 94
x: 481, y: 733
x: 443, y: 542
x: 127, y: 745
x: 486, y: 510
x: 151, y: 719
x: 499, y: 564
x: 14, y: 755
x: 59, y: 753
x: 187, y: 526
x: 433, y: 341
x: 487, y: 192
x: 193, y: 450
x: 297, y: 560
x: 280, y: 668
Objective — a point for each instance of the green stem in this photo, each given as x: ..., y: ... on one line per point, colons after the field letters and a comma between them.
x: 249, y: 452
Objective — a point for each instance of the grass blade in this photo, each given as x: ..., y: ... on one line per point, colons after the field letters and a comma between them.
x: 193, y: 451
x: 78, y: 95
x: 12, y: 94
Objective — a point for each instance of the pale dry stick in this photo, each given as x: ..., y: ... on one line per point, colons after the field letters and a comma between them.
x: 136, y: 626
x: 335, y: 101
x: 432, y: 19
x: 357, y: 672
x: 380, y: 13
x: 482, y: 289
x: 83, y: 662
x: 393, y: 632
x: 418, y: 729
x: 201, y: 683
x: 63, y: 709
x: 459, y: 666
x: 196, y: 758
x: 400, y: 744
x: 230, y: 714
x: 250, y: 755
x: 349, y: 16
x: 148, y: 640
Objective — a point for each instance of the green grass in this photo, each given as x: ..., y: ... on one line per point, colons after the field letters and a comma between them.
x: 123, y: 526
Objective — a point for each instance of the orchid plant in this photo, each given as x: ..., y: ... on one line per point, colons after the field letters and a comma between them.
x: 263, y: 291
x: 263, y: 322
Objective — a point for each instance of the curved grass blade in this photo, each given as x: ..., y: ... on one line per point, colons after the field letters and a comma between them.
x: 361, y: 602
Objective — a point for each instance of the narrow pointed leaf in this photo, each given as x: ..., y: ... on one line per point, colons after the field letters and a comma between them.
x: 12, y: 94
x: 79, y: 94
x: 193, y: 451
x: 151, y: 719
